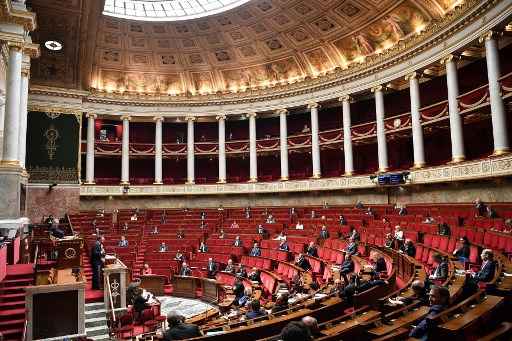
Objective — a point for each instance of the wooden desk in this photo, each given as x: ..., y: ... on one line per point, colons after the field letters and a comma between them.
x: 153, y: 284
x: 403, y: 321
x: 463, y: 320
x: 184, y: 286
x: 344, y: 326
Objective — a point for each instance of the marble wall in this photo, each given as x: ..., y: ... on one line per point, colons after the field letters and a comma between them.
x: 489, y: 191
x: 60, y: 200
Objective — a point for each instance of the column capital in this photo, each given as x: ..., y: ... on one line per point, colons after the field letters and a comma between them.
x: 190, y: 118
x: 220, y: 117
x: 313, y: 105
x: 490, y: 35
x: 281, y: 111
x: 346, y: 98
x: 158, y: 118
x: 251, y: 114
x: 31, y: 49
x: 377, y: 88
x: 413, y: 75
x: 126, y: 118
x: 90, y: 114
x: 14, y: 45
x: 449, y: 58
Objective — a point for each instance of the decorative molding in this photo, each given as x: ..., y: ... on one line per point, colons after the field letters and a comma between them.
x: 469, y: 170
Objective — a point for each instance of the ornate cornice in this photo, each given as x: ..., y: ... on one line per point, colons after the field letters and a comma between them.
x: 333, y: 84
x: 14, y: 16
x: 471, y: 170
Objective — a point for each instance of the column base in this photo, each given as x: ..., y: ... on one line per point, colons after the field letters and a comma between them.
x: 125, y: 182
x: 316, y: 176
x: 89, y: 183
x: 458, y: 159
x: 347, y: 174
x: 221, y: 181
x: 502, y: 151
x: 382, y: 170
x: 158, y: 183
x: 251, y: 180
x: 190, y: 182
x: 418, y: 165
x: 9, y: 163
x: 284, y: 178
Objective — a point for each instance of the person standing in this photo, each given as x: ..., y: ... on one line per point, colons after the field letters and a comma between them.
x: 97, y: 262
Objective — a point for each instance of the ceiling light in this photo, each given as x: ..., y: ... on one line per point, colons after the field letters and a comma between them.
x: 53, y: 45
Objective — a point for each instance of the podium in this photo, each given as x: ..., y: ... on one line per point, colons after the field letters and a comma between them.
x: 114, y: 282
x: 153, y: 284
x: 69, y: 252
x: 184, y: 286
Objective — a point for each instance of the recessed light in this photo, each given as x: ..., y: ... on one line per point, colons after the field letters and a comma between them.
x: 53, y: 45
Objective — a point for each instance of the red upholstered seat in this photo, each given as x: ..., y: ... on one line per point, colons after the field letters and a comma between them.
x: 443, y: 243
x: 419, y: 252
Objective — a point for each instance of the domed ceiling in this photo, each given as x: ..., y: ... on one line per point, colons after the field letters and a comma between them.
x: 255, y: 45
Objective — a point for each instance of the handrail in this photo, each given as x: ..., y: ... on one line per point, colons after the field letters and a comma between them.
x: 111, y: 301
x: 24, y: 335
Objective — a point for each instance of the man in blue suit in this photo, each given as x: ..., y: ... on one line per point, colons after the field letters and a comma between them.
x: 488, y: 268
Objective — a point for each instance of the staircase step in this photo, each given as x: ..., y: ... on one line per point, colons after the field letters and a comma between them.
x: 12, y: 297
x: 12, y: 305
x: 94, y: 306
x: 12, y: 289
x: 95, y: 322
x: 12, y: 332
x: 95, y: 331
x: 17, y: 281
x: 12, y: 312
x: 10, y: 323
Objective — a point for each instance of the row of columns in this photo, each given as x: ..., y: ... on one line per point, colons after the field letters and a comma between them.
x: 16, y: 102
x: 500, y: 134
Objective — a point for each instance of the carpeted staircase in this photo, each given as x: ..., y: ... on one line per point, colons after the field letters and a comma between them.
x: 96, y: 321
x: 12, y: 300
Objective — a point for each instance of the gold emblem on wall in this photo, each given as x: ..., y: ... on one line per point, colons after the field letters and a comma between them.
x: 52, y: 135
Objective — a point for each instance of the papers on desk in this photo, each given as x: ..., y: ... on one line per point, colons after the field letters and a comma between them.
x: 215, y: 332
x: 320, y: 296
x: 506, y: 274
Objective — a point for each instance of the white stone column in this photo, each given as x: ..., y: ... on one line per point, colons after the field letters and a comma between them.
x: 253, y: 156
x: 456, y: 131
x: 125, y: 152
x: 283, y: 140
x: 158, y: 150
x: 22, y: 138
x: 417, y: 130
x: 2, y: 115
x: 89, y: 161
x: 347, y: 136
x: 222, y: 148
x: 315, y: 142
x: 12, y: 107
x: 190, y: 151
x: 381, y: 130
x: 499, y: 118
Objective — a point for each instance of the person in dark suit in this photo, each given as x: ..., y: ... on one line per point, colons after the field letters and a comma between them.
x: 185, y: 270
x: 238, y: 242
x: 254, y: 275
x: 342, y: 220
x: 312, y: 250
x: 408, y: 248
x: 139, y: 304
x: 480, y: 208
x: 462, y: 251
x: 178, y: 329
x: 351, y: 248
x: 97, y: 262
x: 347, y: 267
x: 238, y: 289
x: 254, y: 310
x: 439, y: 298
x: 179, y: 256
x: 203, y: 248
x: 324, y: 234
x: 211, y: 268
x: 380, y: 265
x: 123, y: 242
x: 354, y: 235
x: 255, y: 251
x: 241, y: 271
x: 488, y: 268
x: 283, y: 246
x: 444, y: 229
x: 230, y: 268
x: 419, y: 294
x: 302, y: 262
x: 441, y: 271
x: 281, y: 304
x: 262, y: 231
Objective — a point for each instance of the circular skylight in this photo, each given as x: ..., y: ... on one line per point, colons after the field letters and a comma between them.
x: 167, y: 10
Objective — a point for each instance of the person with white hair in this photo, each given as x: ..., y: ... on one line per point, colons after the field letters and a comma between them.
x: 488, y: 268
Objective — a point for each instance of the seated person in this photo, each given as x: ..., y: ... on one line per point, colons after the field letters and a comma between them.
x: 488, y: 268
x: 147, y: 270
x: 179, y: 256
x: 238, y: 242
x: 419, y: 294
x: 312, y: 250
x: 372, y: 282
x: 313, y: 214
x: 254, y: 310
x: 439, y: 298
x: 123, y: 242
x: 359, y: 205
x: 202, y: 248
x: 280, y: 236
x: 399, y: 236
x: 178, y: 329
x: 281, y: 304
x: 302, y: 262
x: 246, y: 297
x: 247, y: 212
x: 369, y: 212
x: 462, y: 250
x: 230, y: 267
x: 341, y: 220
x: 490, y: 213
x: 444, y: 229
x: 354, y: 235
x: 428, y: 219
x: 346, y: 267
x: 351, y: 248
x: 254, y: 275
x: 441, y: 271
x: 305, y: 129
x: 155, y: 230
x: 324, y: 234
x: 222, y: 235
x: 408, y: 248
x: 323, y: 218
x: 337, y: 288
x: 134, y: 217
x: 480, y: 208
x: 380, y: 265
x: 238, y: 289
x: 402, y: 211
x: 139, y: 304
x: 312, y: 324
x: 270, y: 219
x: 125, y: 226
x: 295, y: 331
x: 389, y: 241
x: 163, y: 247
x: 202, y: 215
x: 262, y: 231
x: 299, y: 226
x: 255, y: 251
x: 234, y: 225
x: 185, y: 270
x: 240, y: 272
x: 211, y: 268
x: 283, y: 246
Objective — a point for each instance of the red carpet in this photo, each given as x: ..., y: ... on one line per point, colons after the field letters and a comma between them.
x: 20, y: 269
x: 92, y: 296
